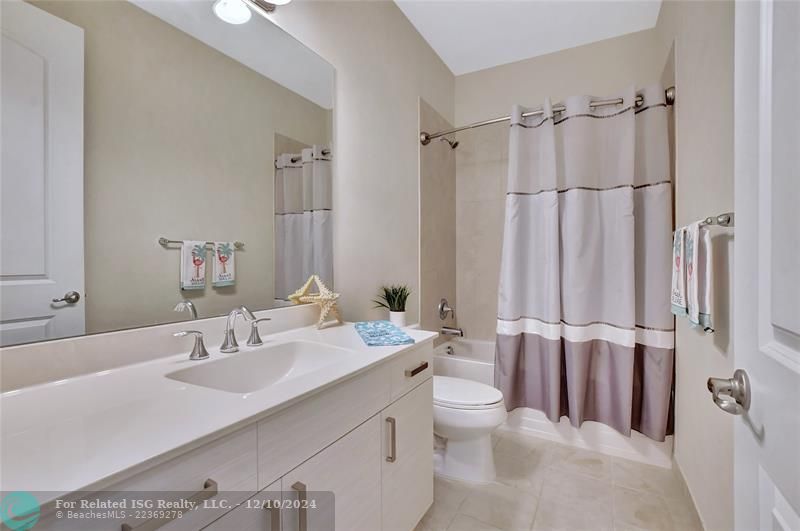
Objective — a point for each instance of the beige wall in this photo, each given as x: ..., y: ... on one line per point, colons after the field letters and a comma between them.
x: 482, y: 157
x: 179, y: 142
x: 703, y: 54
x: 437, y: 184
x: 383, y: 66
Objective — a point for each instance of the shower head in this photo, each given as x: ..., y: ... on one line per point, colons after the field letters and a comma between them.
x: 453, y: 143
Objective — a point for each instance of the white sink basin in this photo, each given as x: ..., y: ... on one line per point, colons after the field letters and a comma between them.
x: 251, y: 370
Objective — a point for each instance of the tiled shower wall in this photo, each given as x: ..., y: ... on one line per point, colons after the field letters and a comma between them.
x: 481, y: 167
x: 437, y: 222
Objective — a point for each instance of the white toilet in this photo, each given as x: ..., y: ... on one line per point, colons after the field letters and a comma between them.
x: 465, y: 413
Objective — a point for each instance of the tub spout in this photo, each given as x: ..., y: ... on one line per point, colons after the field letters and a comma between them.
x: 450, y: 331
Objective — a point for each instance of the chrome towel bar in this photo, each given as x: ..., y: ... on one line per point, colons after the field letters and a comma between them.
x: 164, y: 242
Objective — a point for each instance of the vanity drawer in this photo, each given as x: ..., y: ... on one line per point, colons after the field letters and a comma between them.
x: 295, y: 434
x: 229, y: 463
x: 411, y: 369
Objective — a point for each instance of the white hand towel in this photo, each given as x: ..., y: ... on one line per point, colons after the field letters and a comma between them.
x: 224, y: 265
x: 691, y: 247
x: 705, y: 281
x: 678, y: 297
x: 193, y: 265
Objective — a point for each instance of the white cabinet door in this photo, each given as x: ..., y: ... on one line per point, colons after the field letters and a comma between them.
x: 350, y: 469
x: 407, y: 461
x: 41, y: 180
x: 258, y: 513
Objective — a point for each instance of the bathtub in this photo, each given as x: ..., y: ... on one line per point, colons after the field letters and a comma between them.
x: 474, y: 360
x: 471, y: 359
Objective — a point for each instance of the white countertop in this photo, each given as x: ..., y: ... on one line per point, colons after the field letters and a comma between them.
x: 64, y: 436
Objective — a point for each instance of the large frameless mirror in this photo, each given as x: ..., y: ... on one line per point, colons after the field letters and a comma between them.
x: 158, y: 163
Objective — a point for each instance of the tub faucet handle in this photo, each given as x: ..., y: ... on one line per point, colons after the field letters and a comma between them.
x: 444, y: 309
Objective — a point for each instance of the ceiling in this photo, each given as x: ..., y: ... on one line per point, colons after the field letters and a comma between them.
x: 472, y: 35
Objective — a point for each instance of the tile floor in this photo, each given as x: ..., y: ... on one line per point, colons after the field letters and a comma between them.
x: 542, y: 485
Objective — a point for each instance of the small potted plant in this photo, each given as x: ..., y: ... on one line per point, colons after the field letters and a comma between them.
x: 393, y: 298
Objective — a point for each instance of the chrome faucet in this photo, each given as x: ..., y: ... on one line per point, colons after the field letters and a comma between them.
x: 186, y: 306
x: 199, y: 351
x: 229, y: 344
x: 450, y: 331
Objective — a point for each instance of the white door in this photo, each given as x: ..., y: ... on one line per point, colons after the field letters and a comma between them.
x: 767, y: 263
x: 41, y: 175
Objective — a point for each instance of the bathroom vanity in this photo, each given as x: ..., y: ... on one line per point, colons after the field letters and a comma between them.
x: 307, y: 413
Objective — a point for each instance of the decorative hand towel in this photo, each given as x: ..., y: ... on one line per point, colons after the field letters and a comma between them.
x: 224, y: 265
x: 382, y: 334
x: 691, y: 249
x: 678, y: 296
x: 692, y: 282
x: 705, y: 281
x: 193, y: 265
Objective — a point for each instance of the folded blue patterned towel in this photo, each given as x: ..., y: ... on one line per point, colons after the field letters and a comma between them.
x: 382, y: 334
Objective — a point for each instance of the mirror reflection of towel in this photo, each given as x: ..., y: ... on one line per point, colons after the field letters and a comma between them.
x: 193, y: 265
x: 224, y: 271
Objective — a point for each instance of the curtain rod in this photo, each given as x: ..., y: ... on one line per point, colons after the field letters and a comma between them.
x: 425, y: 138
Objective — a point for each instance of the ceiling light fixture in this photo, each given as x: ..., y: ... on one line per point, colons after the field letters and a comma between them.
x: 264, y: 8
x: 232, y: 11
x: 239, y: 11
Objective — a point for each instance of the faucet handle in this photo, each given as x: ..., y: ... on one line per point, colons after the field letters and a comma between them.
x: 255, y: 339
x: 199, y: 351
x: 247, y: 314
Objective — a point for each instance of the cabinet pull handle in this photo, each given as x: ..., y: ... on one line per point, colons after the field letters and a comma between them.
x: 274, y: 517
x: 392, y: 457
x: 210, y: 489
x: 415, y: 371
x: 302, y: 515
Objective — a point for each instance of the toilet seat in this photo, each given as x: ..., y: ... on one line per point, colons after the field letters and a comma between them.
x: 458, y: 393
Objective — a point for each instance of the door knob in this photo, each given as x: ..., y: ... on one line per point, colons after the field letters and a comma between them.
x: 70, y: 297
x: 731, y: 395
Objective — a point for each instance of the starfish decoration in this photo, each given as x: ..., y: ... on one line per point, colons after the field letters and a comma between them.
x: 325, y: 298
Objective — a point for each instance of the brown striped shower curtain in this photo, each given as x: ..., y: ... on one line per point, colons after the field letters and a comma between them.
x: 584, y: 327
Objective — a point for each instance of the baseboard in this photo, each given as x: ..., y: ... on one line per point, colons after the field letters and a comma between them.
x: 592, y: 436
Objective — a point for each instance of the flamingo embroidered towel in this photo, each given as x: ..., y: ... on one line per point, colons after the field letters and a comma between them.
x: 224, y: 269
x: 692, y: 282
x: 678, y: 295
x: 193, y: 265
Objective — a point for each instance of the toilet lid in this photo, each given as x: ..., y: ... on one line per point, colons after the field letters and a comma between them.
x: 458, y: 392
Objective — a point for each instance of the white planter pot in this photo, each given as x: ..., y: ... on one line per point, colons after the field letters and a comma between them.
x: 398, y: 318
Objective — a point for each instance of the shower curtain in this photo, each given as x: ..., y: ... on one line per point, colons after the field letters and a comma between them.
x: 584, y: 326
x: 303, y: 224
